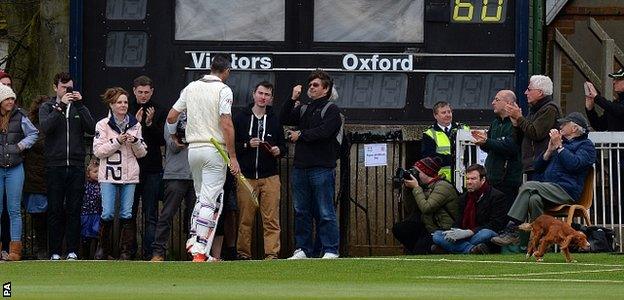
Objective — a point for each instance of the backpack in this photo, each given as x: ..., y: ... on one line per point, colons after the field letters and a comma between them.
x: 600, y: 238
x: 340, y: 133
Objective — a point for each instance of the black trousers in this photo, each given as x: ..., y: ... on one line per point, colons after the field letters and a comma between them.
x: 175, y: 192
x: 413, y: 234
x: 65, y: 193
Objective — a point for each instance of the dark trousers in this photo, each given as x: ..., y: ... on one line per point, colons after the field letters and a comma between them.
x: 5, y: 234
x: 149, y: 191
x: 175, y: 192
x: 412, y: 233
x: 65, y: 192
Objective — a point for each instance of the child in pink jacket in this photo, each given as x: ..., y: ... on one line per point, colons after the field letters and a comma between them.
x: 118, y: 144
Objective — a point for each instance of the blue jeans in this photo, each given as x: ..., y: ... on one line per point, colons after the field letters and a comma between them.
x: 465, y: 245
x: 12, y: 179
x: 126, y: 195
x: 313, y: 192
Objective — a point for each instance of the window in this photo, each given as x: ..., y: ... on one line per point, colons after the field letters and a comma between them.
x: 126, y: 49
x: 230, y: 20
x: 370, y: 90
x: 382, y: 21
x: 466, y: 91
x: 126, y: 9
x: 241, y: 83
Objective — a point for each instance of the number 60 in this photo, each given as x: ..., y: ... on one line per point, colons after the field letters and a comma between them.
x: 470, y: 11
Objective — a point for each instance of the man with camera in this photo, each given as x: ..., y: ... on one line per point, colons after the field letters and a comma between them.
x: 64, y: 120
x: 259, y: 141
x: 482, y: 215
x: 314, y: 174
x: 438, y: 207
x: 148, y: 191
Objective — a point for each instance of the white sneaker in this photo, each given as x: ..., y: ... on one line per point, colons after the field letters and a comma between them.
x: 55, y: 257
x: 298, y: 254
x: 71, y: 256
x: 330, y: 256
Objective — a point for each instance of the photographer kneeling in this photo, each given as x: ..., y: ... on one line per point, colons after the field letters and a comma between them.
x: 438, y: 207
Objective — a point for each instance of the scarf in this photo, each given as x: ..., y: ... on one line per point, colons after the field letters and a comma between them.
x: 469, y: 218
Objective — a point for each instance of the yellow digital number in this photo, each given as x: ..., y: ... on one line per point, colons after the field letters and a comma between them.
x: 495, y: 18
x: 456, y: 11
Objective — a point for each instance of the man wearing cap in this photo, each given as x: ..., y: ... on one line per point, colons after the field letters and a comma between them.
x: 438, y: 207
x: 611, y: 118
x: 535, y: 127
x: 564, y: 164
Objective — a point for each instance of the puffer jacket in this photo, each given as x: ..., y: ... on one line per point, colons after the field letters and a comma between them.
x: 438, y: 204
x: 118, y: 162
x: 568, y: 168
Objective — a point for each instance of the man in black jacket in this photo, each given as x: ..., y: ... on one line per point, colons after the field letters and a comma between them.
x: 259, y: 143
x: 149, y: 190
x: 613, y: 111
x: 483, y: 214
x: 314, y: 174
x: 64, y: 120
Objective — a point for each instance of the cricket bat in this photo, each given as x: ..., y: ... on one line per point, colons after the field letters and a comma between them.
x: 241, y: 178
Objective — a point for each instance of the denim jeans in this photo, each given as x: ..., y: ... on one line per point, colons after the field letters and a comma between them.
x: 313, y: 193
x: 65, y: 186
x: 465, y: 245
x: 126, y: 196
x: 149, y: 192
x: 12, y: 179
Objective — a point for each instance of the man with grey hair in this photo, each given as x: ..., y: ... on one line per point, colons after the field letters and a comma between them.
x: 504, y: 163
x: 535, y: 127
x: 565, y: 164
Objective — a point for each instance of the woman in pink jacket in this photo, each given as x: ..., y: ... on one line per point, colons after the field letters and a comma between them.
x: 118, y: 144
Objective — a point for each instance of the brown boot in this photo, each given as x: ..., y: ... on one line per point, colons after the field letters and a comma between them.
x: 103, y: 249
x: 128, y: 230
x: 15, y: 251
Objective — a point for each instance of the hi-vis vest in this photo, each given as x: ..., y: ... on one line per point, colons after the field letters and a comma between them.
x: 443, y: 146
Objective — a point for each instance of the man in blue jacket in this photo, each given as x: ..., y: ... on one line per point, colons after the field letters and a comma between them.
x: 565, y: 164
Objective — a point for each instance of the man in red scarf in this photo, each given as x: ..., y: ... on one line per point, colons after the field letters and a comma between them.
x: 483, y: 215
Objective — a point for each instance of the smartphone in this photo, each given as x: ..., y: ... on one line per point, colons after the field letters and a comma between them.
x: 69, y: 90
x: 266, y: 146
x: 587, y: 89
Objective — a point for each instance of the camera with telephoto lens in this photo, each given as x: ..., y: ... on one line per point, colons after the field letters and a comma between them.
x: 401, y: 174
x: 181, y: 129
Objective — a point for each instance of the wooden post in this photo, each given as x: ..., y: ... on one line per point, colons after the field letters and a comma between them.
x: 608, y: 46
x: 557, y: 74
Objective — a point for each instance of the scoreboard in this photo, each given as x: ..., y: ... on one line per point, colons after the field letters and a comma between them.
x: 391, y: 59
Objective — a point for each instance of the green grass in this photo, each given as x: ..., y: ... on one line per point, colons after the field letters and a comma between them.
x: 595, y: 276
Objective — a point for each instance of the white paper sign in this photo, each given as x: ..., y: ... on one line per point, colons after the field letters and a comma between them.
x: 375, y: 155
x: 481, y: 156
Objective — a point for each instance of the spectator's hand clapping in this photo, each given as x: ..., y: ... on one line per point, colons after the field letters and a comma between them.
x: 296, y: 92
x: 591, y: 97
x: 555, y: 139
x: 139, y: 115
x: 149, y: 116
x: 479, y: 136
x: 513, y: 111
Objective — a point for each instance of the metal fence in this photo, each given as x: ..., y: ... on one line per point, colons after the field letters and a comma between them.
x: 606, y: 209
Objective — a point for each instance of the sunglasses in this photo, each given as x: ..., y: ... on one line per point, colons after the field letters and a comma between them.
x: 314, y: 84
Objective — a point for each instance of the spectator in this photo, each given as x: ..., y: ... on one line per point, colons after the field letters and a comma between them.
x: 259, y: 144
x: 438, y: 207
x: 178, y: 187
x: 534, y: 129
x: 118, y: 143
x: 565, y: 163
x: 17, y: 134
x: 503, y: 164
x: 482, y: 216
x: 6, y: 79
x: 613, y: 111
x: 64, y: 120
x: 91, y: 211
x: 5, y: 235
x: 208, y: 105
x: 35, y: 192
x: 439, y: 139
x: 149, y: 188
x: 314, y: 174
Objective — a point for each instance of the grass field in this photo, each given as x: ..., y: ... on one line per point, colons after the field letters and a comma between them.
x: 594, y: 276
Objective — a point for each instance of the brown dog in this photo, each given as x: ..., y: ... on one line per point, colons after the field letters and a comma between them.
x: 546, y: 231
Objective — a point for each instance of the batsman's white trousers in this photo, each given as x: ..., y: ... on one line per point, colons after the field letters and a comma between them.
x: 208, y: 171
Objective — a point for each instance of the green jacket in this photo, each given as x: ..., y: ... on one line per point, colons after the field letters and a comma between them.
x: 438, y: 204
x: 504, y: 162
x: 534, y: 129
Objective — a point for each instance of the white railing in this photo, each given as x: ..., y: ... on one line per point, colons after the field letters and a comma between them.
x: 606, y: 208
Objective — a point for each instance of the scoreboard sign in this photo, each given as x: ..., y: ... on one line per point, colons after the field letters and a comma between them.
x: 391, y: 59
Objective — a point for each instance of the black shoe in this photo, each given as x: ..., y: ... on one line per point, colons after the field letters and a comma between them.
x: 480, y: 249
x: 436, y: 249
